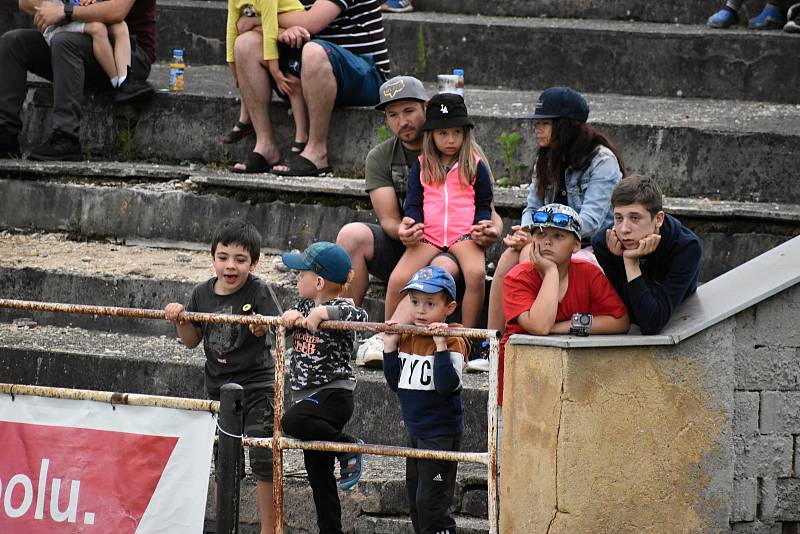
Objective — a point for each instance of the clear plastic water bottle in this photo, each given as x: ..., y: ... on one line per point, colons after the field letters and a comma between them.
x: 177, y: 70
x: 460, y: 83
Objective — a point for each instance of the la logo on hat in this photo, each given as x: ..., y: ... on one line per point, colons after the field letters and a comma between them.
x: 443, y: 109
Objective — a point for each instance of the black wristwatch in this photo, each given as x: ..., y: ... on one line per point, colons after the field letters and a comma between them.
x: 580, y: 324
x: 68, y: 7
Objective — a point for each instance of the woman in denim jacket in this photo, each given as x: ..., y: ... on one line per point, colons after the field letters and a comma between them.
x: 577, y: 166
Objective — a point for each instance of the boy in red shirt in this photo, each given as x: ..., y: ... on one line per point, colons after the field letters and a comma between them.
x: 541, y: 297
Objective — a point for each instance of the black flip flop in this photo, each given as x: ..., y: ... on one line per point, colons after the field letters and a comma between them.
x: 254, y: 163
x: 234, y: 136
x: 297, y: 147
x: 298, y: 165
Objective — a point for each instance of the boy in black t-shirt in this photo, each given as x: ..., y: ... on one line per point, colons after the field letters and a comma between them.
x: 236, y: 353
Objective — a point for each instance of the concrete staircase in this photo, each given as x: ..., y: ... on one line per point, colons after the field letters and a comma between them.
x: 714, y: 115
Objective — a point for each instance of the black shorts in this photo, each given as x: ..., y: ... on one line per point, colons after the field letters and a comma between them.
x: 386, y: 252
x: 259, y: 418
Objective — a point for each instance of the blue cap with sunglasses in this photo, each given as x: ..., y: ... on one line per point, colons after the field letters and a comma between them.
x: 557, y: 216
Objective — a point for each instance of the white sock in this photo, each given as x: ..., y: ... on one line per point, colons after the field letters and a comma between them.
x: 115, y: 82
x: 121, y: 79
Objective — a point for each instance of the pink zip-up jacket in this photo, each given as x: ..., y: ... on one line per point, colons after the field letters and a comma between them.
x: 448, y: 210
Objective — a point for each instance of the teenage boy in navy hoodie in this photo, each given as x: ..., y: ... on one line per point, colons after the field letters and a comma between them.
x: 651, y: 259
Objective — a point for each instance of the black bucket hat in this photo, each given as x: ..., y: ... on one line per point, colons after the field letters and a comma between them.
x: 446, y: 110
x: 561, y: 102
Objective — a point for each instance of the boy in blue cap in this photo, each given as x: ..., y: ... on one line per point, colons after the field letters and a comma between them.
x: 425, y: 372
x: 321, y: 376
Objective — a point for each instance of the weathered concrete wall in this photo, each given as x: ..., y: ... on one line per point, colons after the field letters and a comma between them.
x: 697, y: 437
x: 766, y: 420
x: 623, y: 439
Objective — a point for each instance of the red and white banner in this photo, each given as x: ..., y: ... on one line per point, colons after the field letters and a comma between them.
x: 82, y: 466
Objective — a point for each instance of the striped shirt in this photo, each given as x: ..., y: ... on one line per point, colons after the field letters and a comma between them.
x: 359, y: 29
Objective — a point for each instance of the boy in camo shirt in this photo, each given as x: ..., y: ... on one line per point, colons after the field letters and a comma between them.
x: 321, y: 375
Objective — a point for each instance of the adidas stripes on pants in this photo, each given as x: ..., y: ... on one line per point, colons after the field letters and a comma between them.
x: 430, y: 485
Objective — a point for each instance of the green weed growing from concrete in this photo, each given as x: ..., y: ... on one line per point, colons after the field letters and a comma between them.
x: 383, y: 133
x: 514, y: 167
x: 422, y: 56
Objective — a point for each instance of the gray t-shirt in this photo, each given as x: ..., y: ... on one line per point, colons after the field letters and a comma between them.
x: 387, y: 165
x: 233, y: 353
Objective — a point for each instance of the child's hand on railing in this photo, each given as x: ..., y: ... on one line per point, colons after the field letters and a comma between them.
x: 173, y: 310
x: 317, y: 315
x: 440, y: 341
x: 390, y: 341
x: 292, y: 318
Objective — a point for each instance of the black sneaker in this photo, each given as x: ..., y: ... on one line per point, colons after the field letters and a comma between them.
x: 479, y: 357
x: 60, y: 147
x: 9, y: 145
x: 132, y: 90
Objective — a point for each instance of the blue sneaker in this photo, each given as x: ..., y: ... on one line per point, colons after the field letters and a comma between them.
x: 397, y: 6
x: 770, y: 18
x: 351, y: 464
x: 722, y: 19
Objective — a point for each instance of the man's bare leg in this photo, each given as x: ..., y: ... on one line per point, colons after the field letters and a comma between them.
x: 256, y: 89
x: 357, y: 240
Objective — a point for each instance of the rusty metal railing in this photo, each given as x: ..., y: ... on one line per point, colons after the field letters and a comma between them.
x: 279, y: 443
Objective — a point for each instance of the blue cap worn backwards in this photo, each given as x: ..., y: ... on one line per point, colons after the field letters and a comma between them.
x: 328, y: 260
x: 432, y: 279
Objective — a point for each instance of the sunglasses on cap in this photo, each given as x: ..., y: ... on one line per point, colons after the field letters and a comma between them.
x: 559, y: 219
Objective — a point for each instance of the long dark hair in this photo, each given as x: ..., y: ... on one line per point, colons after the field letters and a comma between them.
x: 573, y: 144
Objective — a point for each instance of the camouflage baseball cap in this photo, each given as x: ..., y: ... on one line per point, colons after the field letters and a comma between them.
x: 401, y: 88
x: 558, y: 216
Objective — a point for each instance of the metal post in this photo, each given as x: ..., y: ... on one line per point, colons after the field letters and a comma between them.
x: 229, y: 451
x: 277, y: 451
x: 494, y: 361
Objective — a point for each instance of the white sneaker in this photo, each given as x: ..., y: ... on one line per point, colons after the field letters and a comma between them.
x: 370, y: 353
x: 478, y: 365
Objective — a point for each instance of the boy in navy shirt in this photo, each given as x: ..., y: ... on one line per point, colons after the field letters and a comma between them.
x: 652, y: 260
x: 426, y: 374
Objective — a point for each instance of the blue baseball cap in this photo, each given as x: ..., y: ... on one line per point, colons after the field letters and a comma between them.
x: 432, y: 279
x: 557, y: 102
x: 328, y: 260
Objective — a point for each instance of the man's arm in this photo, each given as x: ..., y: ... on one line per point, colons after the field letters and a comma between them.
x: 109, y: 12
x: 316, y: 19
x: 384, y: 203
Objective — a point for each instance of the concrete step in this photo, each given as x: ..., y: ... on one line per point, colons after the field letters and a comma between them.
x: 377, y: 505
x: 638, y: 58
x: 150, y: 210
x: 695, y: 148
x: 89, y: 359
x: 677, y: 11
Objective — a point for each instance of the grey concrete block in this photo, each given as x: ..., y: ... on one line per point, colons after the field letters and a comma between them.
x: 768, y: 491
x: 745, y: 503
x: 745, y: 412
x: 760, y: 456
x: 780, y: 412
x: 756, y: 527
x: 767, y: 366
x: 788, y: 499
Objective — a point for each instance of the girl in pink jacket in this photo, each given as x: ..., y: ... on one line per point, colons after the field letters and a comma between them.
x: 449, y: 190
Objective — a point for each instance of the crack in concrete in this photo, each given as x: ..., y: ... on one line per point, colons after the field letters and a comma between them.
x: 561, y: 400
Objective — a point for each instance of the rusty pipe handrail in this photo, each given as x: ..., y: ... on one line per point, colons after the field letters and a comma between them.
x: 489, y: 458
x: 377, y: 450
x: 142, y: 313
x: 131, y: 399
